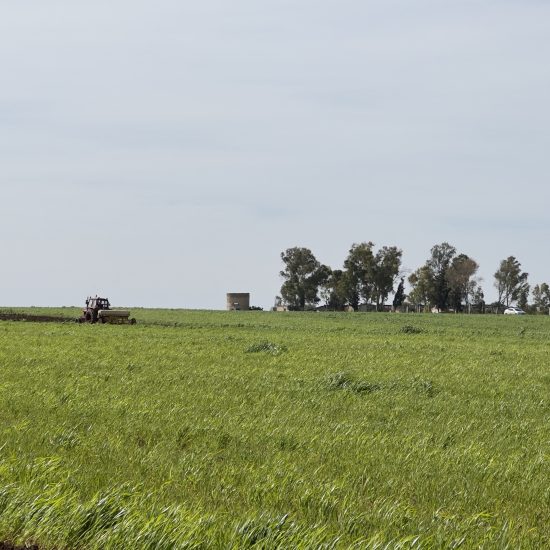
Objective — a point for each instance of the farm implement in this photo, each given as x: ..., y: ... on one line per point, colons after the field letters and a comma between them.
x: 98, y: 310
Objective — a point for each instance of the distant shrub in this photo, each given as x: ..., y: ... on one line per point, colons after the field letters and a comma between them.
x: 409, y: 329
x: 266, y: 347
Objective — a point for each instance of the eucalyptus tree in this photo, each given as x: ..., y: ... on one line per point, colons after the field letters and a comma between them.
x: 358, y: 273
x: 302, y: 274
x: 422, y: 283
x: 461, y: 282
x: 511, y: 282
x: 541, y: 296
x: 445, y: 280
x: 333, y: 289
x: 441, y: 256
x: 384, y: 271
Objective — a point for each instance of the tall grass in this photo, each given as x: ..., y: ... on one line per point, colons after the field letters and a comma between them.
x: 233, y: 430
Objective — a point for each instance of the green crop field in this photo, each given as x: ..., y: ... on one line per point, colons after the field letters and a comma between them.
x: 277, y: 430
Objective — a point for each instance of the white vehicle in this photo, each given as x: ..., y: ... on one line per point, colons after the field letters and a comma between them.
x: 514, y: 311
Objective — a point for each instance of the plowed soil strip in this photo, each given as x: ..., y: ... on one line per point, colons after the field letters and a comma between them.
x: 34, y: 318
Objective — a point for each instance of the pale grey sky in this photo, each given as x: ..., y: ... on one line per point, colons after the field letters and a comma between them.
x: 164, y: 153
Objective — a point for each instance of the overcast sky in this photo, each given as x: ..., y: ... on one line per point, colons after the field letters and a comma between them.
x: 164, y: 153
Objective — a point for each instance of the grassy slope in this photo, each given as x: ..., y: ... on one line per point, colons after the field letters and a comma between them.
x: 360, y: 432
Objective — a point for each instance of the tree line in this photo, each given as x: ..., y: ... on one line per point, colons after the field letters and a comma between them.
x: 446, y: 281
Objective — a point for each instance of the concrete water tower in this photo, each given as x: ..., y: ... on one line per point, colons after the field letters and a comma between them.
x: 238, y: 301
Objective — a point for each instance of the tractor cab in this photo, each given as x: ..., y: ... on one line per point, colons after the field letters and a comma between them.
x: 93, y: 307
x: 97, y: 303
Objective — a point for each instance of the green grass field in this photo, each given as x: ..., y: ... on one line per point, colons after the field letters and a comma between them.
x: 235, y: 429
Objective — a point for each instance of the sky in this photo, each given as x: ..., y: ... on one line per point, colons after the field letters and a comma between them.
x: 164, y: 153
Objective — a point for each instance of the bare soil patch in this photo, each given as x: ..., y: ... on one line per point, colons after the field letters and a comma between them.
x: 11, y: 316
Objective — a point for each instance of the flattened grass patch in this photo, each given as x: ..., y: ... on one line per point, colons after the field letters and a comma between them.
x: 344, y: 381
x: 266, y: 347
x: 410, y: 329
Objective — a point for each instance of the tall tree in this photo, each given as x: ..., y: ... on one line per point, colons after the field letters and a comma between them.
x: 303, y: 274
x: 476, y: 296
x: 422, y: 283
x: 510, y: 282
x: 460, y: 282
x: 358, y: 275
x: 333, y: 290
x: 439, y: 263
x: 523, y: 296
x: 400, y: 296
x: 445, y: 280
x: 541, y: 296
x: 384, y: 271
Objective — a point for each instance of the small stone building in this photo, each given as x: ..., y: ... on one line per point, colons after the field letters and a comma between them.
x: 238, y: 301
